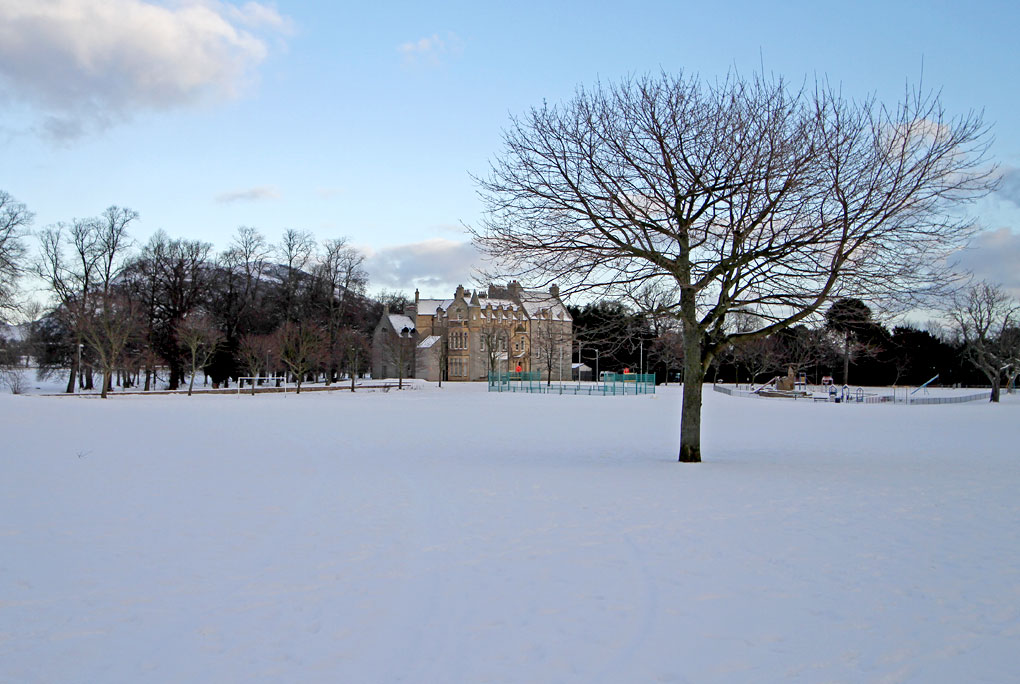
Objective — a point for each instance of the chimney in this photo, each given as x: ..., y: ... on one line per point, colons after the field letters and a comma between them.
x: 460, y: 292
x: 416, y: 298
x: 554, y: 291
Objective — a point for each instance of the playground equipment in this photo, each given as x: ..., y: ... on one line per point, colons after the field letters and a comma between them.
x: 925, y: 385
x: 775, y: 388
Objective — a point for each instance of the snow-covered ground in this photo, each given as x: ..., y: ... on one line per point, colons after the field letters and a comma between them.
x: 451, y: 535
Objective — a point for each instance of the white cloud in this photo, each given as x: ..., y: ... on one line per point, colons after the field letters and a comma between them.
x: 430, y: 49
x: 435, y: 266
x: 87, y: 63
x: 249, y: 195
x: 1009, y: 185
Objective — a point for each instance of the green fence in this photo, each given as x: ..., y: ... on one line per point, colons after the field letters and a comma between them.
x: 610, y: 384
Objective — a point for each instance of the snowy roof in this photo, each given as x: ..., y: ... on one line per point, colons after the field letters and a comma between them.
x: 428, y: 342
x: 498, y: 303
x: 400, y: 322
x: 538, y: 302
x: 427, y: 307
x: 534, y: 303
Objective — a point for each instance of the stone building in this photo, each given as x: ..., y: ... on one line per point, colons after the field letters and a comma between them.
x: 503, y: 329
x: 393, y: 346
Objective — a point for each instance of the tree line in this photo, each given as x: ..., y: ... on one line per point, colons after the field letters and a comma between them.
x: 976, y: 343
x: 155, y: 315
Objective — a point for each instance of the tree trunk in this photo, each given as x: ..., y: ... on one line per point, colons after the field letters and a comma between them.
x: 107, y: 380
x: 995, y: 390
x: 690, y: 415
x: 71, y: 378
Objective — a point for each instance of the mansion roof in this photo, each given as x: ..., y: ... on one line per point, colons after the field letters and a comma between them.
x: 501, y: 302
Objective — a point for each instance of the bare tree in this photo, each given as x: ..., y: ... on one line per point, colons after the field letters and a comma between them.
x: 256, y: 352
x: 356, y: 351
x: 295, y: 250
x: 984, y: 316
x: 802, y: 347
x: 80, y: 261
x: 239, y: 289
x: 341, y: 275
x: 494, y: 336
x: 108, y: 327
x: 14, y: 220
x: 668, y: 349
x: 550, y: 344
x: 740, y: 195
x: 179, y: 280
x: 301, y: 348
x: 440, y: 329
x: 199, y: 335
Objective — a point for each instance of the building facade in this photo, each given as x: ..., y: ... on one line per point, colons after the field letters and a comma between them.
x: 503, y: 329
x: 393, y: 346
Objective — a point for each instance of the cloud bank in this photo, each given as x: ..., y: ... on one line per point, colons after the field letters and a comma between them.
x: 434, y: 266
x: 1009, y: 186
x: 994, y: 256
x: 84, y: 64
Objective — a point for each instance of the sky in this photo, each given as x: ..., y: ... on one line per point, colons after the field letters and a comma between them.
x: 367, y: 121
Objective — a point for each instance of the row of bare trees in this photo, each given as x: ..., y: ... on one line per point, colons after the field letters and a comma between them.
x: 173, y: 305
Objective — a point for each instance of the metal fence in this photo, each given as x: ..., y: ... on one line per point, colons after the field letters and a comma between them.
x: 611, y: 384
x: 962, y: 399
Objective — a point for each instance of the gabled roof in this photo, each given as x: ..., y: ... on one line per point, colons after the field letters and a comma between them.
x: 427, y: 307
x: 401, y: 322
x: 536, y: 302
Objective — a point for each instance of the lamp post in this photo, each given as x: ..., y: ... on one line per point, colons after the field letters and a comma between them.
x: 580, y: 362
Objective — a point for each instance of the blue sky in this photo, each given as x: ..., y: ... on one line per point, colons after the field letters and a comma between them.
x: 367, y: 121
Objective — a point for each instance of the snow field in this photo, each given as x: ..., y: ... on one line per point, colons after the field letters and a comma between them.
x: 451, y: 535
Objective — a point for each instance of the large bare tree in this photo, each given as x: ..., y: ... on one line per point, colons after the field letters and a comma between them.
x: 200, y: 338
x: 81, y: 262
x: 340, y: 275
x: 742, y: 194
x: 14, y: 220
x: 301, y: 347
x: 985, y: 319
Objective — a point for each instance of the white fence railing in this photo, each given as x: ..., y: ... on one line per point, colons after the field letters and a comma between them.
x: 856, y: 398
